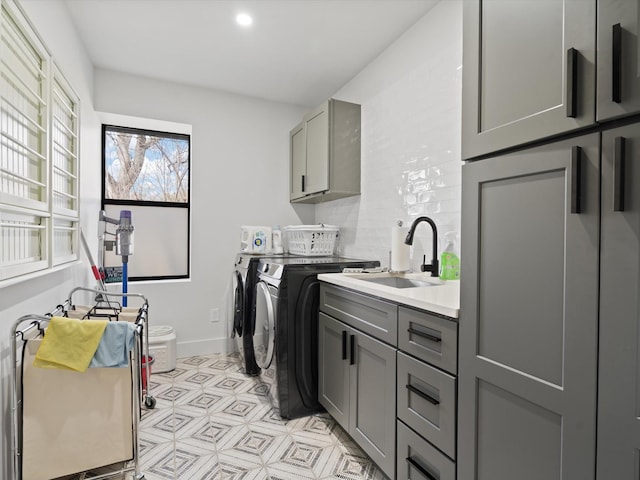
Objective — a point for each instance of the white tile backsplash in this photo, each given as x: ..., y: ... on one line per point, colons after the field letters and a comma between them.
x: 411, y: 161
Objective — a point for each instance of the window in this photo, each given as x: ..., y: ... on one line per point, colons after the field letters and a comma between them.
x: 39, y: 207
x: 147, y: 173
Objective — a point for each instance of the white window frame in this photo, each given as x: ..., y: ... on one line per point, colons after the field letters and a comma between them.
x: 39, y: 221
x: 164, y: 254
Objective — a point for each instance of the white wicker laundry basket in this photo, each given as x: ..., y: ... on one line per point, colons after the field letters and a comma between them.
x: 311, y: 240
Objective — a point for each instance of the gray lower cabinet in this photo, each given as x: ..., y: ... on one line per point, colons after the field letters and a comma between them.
x: 426, y: 395
x: 371, y: 388
x: 333, y: 368
x: 619, y: 367
x: 356, y: 375
x: 529, y: 314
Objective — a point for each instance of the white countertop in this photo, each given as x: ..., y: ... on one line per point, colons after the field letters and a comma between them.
x: 442, y: 297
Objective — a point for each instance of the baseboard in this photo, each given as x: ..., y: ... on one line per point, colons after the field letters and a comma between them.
x: 205, y: 347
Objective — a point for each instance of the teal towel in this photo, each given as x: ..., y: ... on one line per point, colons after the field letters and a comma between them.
x: 115, y: 345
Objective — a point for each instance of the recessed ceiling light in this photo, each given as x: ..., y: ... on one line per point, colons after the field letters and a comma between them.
x: 244, y: 19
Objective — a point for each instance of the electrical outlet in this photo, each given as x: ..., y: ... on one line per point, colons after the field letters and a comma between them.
x: 214, y: 315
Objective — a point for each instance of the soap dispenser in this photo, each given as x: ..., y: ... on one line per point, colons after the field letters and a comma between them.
x: 450, y: 258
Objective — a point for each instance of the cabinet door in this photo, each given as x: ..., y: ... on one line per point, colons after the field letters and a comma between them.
x: 619, y: 368
x: 333, y: 368
x: 529, y: 312
x: 373, y: 400
x: 317, y: 128
x: 298, y: 161
x: 529, y: 71
x: 618, y: 58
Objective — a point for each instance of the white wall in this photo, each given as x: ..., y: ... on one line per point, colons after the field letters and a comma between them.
x: 240, y: 176
x: 411, y: 163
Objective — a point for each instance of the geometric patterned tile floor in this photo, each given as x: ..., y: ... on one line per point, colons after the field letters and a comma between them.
x: 212, y: 422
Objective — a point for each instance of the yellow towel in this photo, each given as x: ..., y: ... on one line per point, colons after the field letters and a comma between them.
x: 69, y: 344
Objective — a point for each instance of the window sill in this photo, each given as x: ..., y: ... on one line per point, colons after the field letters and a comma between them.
x: 33, y: 275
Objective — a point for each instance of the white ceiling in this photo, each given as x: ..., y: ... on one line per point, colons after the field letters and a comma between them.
x: 297, y: 51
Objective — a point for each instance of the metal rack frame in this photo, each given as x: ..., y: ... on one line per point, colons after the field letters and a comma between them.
x: 34, y: 327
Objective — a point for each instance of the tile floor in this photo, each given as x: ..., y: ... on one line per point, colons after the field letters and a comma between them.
x: 212, y: 422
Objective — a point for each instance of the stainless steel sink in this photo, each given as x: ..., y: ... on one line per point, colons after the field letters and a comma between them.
x: 398, y: 282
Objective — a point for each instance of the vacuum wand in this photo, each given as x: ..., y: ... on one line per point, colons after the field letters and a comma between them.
x: 124, y: 236
x: 124, y: 247
x: 123, y: 243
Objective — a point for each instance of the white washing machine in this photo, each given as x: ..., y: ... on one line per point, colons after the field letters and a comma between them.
x: 264, y: 337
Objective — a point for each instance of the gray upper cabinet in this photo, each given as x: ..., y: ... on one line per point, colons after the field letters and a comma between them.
x: 297, y: 148
x: 325, y: 153
x: 618, y: 59
x: 529, y: 71
x: 529, y: 314
x: 619, y: 368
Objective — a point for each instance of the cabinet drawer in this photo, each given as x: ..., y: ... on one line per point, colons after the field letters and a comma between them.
x: 426, y: 400
x: 418, y: 460
x: 429, y: 338
x: 369, y: 315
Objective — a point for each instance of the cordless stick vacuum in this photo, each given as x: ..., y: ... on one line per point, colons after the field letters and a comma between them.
x: 123, y: 242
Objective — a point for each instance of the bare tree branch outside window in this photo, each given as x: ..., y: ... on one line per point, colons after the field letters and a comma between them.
x: 146, y: 166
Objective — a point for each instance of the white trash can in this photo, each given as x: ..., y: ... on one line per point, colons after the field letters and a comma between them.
x: 162, y: 348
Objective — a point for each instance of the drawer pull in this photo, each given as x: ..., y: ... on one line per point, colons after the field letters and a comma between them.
x: 616, y: 68
x: 420, y: 468
x: 572, y: 83
x: 344, y: 344
x: 426, y: 396
x: 576, y: 179
x: 433, y: 338
x: 619, y: 154
x: 353, y: 350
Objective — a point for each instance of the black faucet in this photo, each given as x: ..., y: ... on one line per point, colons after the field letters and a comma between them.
x: 434, y: 268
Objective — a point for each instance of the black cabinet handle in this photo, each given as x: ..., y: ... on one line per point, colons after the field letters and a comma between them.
x: 433, y: 338
x: 572, y: 83
x: 576, y: 179
x: 420, y: 469
x: 616, y: 63
x: 353, y: 350
x: 619, y: 156
x: 302, y: 183
x: 344, y: 345
x: 422, y: 394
